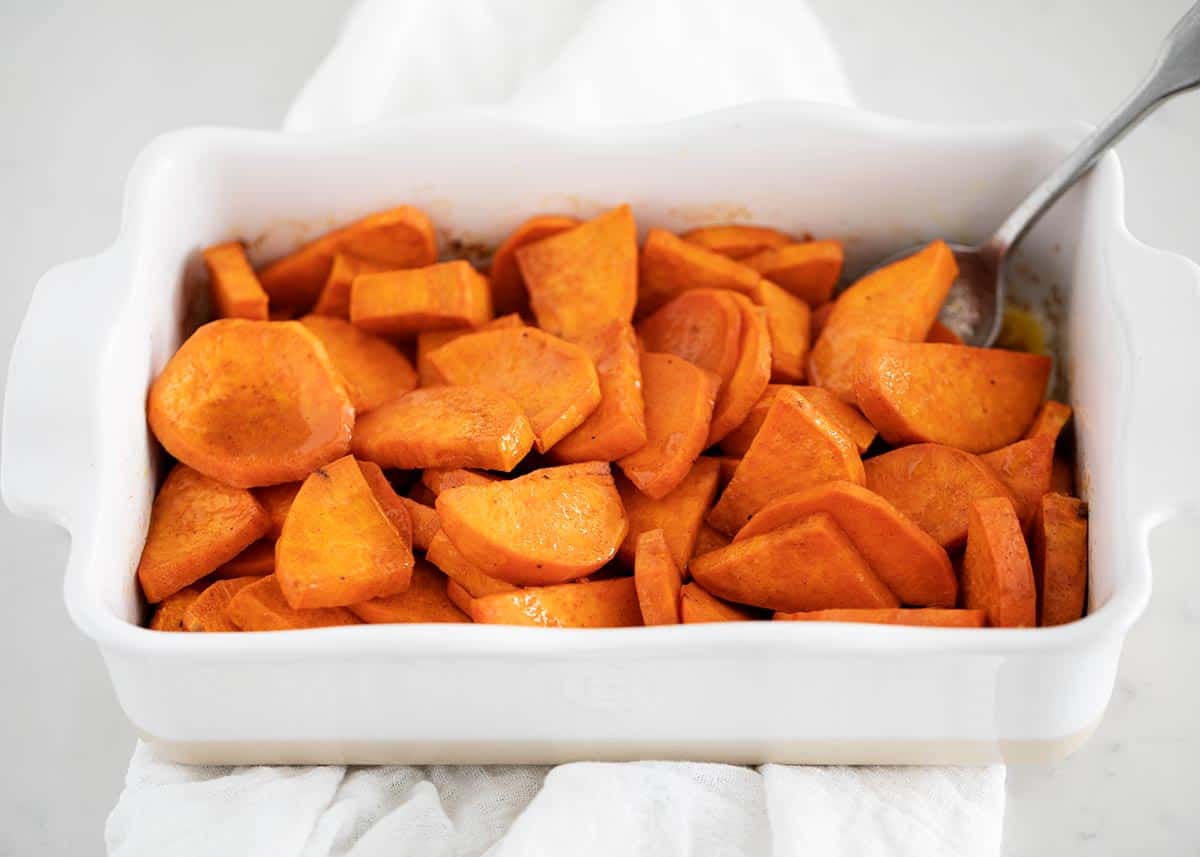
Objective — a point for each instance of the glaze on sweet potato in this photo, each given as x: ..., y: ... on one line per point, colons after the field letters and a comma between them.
x: 847, y: 416
x: 508, y: 286
x: 447, y: 295
x: 458, y: 568
x: 277, y: 501
x: 261, y: 606
x: 932, y: 617
x: 679, y: 515
x: 1058, y: 552
x: 750, y: 376
x: 599, y: 604
x: 429, y: 341
x: 208, y: 611
x: 698, y: 606
x: 232, y: 285
x: 997, y: 576
x: 334, y: 299
x: 736, y: 240
x: 809, y: 270
x: 657, y: 579
x: 789, y: 325
x: 425, y: 600
x: 374, y: 371
x: 703, y: 326
x: 1025, y: 467
x: 669, y: 266
x: 169, y: 615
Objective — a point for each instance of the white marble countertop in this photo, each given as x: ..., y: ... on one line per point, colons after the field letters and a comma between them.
x: 83, y: 89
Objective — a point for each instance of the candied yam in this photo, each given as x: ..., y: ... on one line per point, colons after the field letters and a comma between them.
x: 445, y: 427
x: 932, y: 617
x: 938, y: 332
x: 817, y: 319
x: 208, y: 611
x: 1025, y: 468
x: 392, y: 503
x: 425, y: 600
x: 669, y: 266
x: 900, y: 301
x: 788, y: 325
x: 374, y: 370
x: 703, y: 326
x: 261, y: 606
x: 508, y: 286
x: 736, y: 240
x: 846, y: 416
x: 439, y: 479
x: 809, y: 564
x: 251, y: 403
x: 978, y: 399
x: 698, y: 606
x: 334, y: 299
x: 553, y: 381
x: 1051, y: 417
x: 728, y: 467
x: 679, y: 514
x: 196, y: 525
x: 582, y: 279
x: 255, y: 561
x: 169, y: 615
x: 420, y: 493
x: 618, y: 425
x: 444, y: 296
x: 750, y: 377
x: 709, y: 540
x: 277, y: 500
x: 425, y: 522
x: 934, y: 485
x: 459, y: 597
x: 598, y: 604
x: 459, y: 569
x: 339, y: 545
x: 232, y: 285
x: 997, y: 577
x: 679, y: 403
x: 797, y: 446
x: 1059, y: 557
x: 429, y: 341
x: 548, y: 526
x: 400, y: 237
x: 657, y: 580
x: 1062, y: 476
x: 809, y: 270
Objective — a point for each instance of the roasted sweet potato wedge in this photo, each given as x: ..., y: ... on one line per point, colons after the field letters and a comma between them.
x: 697, y: 606
x: 657, y: 579
x: 429, y: 341
x: 933, y: 617
x: 750, y: 376
x: 1025, y: 467
x: 439, y: 479
x: 670, y: 266
x: 1051, y: 417
x: 709, y: 540
x: 809, y: 270
x: 736, y: 240
x: 334, y: 299
x: 374, y: 371
x: 817, y: 319
x: 207, y: 612
x: 728, y: 467
x: 1059, y: 557
x: 255, y: 561
x: 508, y: 286
x: 425, y: 523
x: 425, y: 600
x: 458, y: 568
x: 459, y: 597
x: 277, y: 500
x: 938, y: 332
x: 447, y: 295
x: 169, y: 615
x: 235, y: 290
x: 789, y: 325
x: 679, y: 515
x: 997, y: 577
x: 261, y: 606
x: 599, y: 604
x: 847, y: 416
x: 392, y: 503
x: 703, y: 326
x: 1062, y: 476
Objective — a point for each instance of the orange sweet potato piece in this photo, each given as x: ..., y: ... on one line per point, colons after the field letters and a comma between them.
x: 703, y: 326
x: 789, y: 326
x: 208, y: 612
x: 736, y: 240
x: 255, y: 561
x: 817, y: 319
x: 508, y: 286
x: 459, y: 597
x: 338, y: 545
x: 425, y: 523
x: 934, y: 617
x: 334, y: 299
x: 599, y: 604
x: 169, y: 615
x: 1025, y: 467
x: 553, y: 381
x: 196, y: 525
x: 934, y: 485
x: 618, y: 425
x: 709, y: 540
x: 809, y: 270
x: 374, y: 370
x: 459, y: 569
x: 657, y: 579
x: 235, y: 290
x: 679, y: 403
x: 847, y: 416
x: 399, y: 238
x: 420, y: 493
x: 996, y: 575
x: 1051, y: 417
x: 679, y: 515
x: 977, y: 399
x: 899, y: 301
x: 1059, y: 556
x: 548, y: 526
x: 429, y: 341
x: 1062, y: 476
x: 938, y: 332
x: 439, y: 479
x: 750, y: 377
x: 729, y: 466
x: 444, y: 296
x: 697, y: 606
x: 810, y: 564
x: 392, y: 503
x: 797, y: 447
x: 908, y: 561
x: 277, y: 500
x: 261, y: 606
x: 584, y: 278
x: 445, y: 427
x: 670, y: 266
x: 251, y: 403
x: 425, y: 600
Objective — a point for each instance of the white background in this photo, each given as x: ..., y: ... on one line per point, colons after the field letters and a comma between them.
x: 84, y: 86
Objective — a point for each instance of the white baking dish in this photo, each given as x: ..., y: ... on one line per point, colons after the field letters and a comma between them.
x: 77, y: 450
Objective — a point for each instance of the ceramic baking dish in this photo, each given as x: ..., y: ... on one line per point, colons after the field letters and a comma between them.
x: 77, y: 450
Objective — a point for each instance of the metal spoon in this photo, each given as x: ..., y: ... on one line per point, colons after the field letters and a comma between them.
x: 974, y: 307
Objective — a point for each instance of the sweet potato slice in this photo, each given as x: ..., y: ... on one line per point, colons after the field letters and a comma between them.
x: 196, y: 525
x: 277, y: 500
x: 553, y: 381
x: 1051, y: 417
x: 169, y: 615
x: 908, y: 561
x: 458, y: 568
x: 459, y: 597
x: 657, y: 579
x: 446, y: 427
x: 728, y: 467
x: 932, y: 617
x: 978, y: 399
x: 847, y: 416
x: 709, y: 540
x: 817, y: 319
x: 698, y: 606
x: 392, y: 504
x: 235, y: 290
x: 618, y: 425
x: 420, y: 493
x: 448, y: 295
x: 429, y: 341
x: 1025, y: 467
x: 255, y: 561
x: 934, y: 485
x: 750, y: 377
x: 508, y: 286
x: 261, y: 606
x: 425, y: 600
x: 736, y: 240
x: 788, y: 325
x: 548, y: 526
x: 374, y: 370
x: 679, y: 403
x: 599, y: 604
x: 425, y: 523
x: 670, y: 266
x: 1062, y: 476
x: 797, y: 447
x: 899, y: 301
x: 399, y: 238
x: 207, y: 612
x: 703, y: 326
x: 338, y: 545
x: 679, y: 515
x: 938, y: 332
x: 334, y: 299
x: 810, y: 564
x: 584, y: 278
x: 997, y: 576
x: 1059, y: 557
x: 809, y: 270
x: 439, y: 479
x: 251, y: 403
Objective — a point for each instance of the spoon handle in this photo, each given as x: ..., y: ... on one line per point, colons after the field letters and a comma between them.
x: 1176, y: 70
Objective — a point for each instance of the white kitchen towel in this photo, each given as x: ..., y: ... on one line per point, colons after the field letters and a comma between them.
x: 561, y: 61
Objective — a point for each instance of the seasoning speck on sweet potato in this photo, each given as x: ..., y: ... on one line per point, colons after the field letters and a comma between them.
x: 598, y: 604
x: 447, y: 295
x: 508, y: 286
x: 235, y: 290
